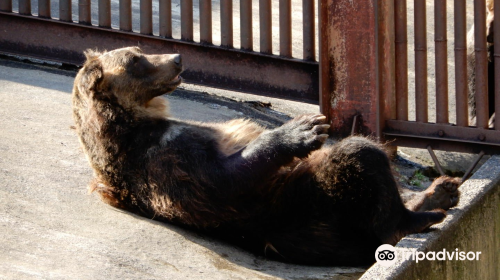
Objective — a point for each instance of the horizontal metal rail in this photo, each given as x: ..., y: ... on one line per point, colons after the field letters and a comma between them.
x: 442, y: 137
x: 205, y: 64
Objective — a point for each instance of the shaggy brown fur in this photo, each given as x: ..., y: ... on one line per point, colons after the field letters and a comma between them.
x: 277, y: 192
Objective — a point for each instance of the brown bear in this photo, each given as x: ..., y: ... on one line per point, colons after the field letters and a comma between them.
x: 471, y: 66
x: 279, y: 192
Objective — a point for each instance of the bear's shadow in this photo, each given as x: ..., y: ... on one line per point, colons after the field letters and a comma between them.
x: 228, y: 256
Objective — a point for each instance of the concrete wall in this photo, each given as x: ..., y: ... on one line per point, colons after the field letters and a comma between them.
x: 474, y: 225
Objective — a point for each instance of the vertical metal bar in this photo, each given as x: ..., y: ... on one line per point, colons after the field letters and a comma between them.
x: 343, y: 85
x: 187, y: 20
x: 481, y: 54
x: 146, y: 7
x: 6, y: 6
x: 436, y: 161
x: 285, y: 15
x: 105, y: 13
x: 25, y: 7
x: 226, y: 22
x: 165, y: 7
x: 308, y: 30
x: 84, y: 16
x: 246, y: 25
x: 65, y: 13
x: 461, y: 88
x: 473, y: 165
x: 497, y: 65
x: 441, y: 60
x: 126, y: 15
x: 355, y: 125
x: 325, y: 65
x: 401, y: 42
x: 385, y: 88
x: 206, y: 21
x: 44, y: 8
x: 421, y: 61
x: 265, y: 19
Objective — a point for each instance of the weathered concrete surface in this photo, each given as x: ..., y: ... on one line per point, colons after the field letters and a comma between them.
x: 472, y: 226
x: 52, y: 229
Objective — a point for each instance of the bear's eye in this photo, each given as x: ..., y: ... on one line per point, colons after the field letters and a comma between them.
x: 136, y: 59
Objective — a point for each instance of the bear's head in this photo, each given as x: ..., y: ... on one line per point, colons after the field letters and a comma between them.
x: 128, y: 76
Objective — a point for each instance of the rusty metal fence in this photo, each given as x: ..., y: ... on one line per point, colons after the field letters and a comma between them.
x: 361, y: 77
x: 207, y: 62
x: 462, y: 135
x: 364, y: 76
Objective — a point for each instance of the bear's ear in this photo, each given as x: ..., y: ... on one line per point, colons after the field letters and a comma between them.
x: 91, y: 54
x: 92, y: 74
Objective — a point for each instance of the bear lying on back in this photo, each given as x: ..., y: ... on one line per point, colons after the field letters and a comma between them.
x: 279, y: 192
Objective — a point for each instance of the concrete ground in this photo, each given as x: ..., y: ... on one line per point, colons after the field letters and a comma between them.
x: 51, y: 228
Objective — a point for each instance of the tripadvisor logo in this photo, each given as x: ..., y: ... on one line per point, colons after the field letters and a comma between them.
x: 387, y: 255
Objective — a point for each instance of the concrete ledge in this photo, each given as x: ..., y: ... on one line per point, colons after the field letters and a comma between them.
x: 474, y: 225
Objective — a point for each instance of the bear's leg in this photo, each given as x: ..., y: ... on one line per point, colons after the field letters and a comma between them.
x: 352, y: 207
x: 357, y: 177
x: 442, y: 194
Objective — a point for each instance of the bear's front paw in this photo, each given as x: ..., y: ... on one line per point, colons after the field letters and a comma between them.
x: 305, y: 134
x: 442, y: 194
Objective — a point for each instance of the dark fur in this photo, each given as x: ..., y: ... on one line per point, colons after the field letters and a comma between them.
x: 276, y: 191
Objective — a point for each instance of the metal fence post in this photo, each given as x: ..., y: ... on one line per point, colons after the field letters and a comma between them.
x: 386, y: 41
x: 357, y: 76
x: 84, y: 15
x: 6, y: 6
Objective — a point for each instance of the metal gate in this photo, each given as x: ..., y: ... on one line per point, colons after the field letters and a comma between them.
x: 207, y: 62
x: 362, y: 76
x: 443, y: 134
x: 365, y: 74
